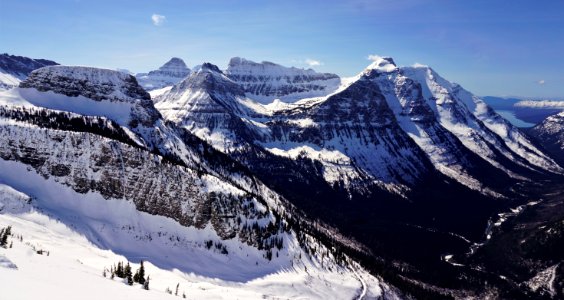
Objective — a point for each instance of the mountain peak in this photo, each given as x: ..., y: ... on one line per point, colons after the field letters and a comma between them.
x: 172, y: 72
x: 382, y: 64
x: 175, y: 67
x: 211, y: 67
x: 235, y: 61
x: 175, y: 64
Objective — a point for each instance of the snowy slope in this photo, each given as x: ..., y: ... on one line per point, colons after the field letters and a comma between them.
x: 167, y: 75
x: 268, y: 81
x: 81, y: 242
x: 14, y: 69
x: 552, y: 127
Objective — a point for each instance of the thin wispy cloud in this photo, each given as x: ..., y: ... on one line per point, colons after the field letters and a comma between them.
x: 158, y: 20
x: 541, y: 82
x: 313, y: 62
x: 373, y: 57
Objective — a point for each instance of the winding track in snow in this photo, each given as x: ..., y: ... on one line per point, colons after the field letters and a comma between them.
x: 363, y: 284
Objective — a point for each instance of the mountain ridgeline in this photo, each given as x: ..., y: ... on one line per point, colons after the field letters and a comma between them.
x: 389, y: 170
x: 13, y: 69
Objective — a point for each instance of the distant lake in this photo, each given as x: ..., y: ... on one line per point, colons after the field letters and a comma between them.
x: 510, y: 116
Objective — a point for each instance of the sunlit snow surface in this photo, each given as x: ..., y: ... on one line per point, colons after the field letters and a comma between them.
x: 78, y: 230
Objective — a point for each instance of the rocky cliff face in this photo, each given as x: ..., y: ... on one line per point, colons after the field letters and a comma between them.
x: 85, y: 86
x: 168, y: 74
x: 267, y: 81
x: 14, y: 69
x: 89, y: 163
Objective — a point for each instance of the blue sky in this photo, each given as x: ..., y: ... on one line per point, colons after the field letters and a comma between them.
x: 503, y: 48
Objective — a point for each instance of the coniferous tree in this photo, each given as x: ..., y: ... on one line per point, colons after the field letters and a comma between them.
x: 141, y: 273
x: 4, y: 233
x: 119, y: 270
x: 177, y: 286
x: 128, y: 275
x: 146, y: 284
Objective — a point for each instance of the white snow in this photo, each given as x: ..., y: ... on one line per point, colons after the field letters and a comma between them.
x: 382, y: 64
x: 544, y: 281
x: 8, y: 81
x: 85, y: 233
x: 29, y: 97
x: 159, y: 92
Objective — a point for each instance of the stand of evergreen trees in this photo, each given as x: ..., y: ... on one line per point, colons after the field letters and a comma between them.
x: 123, y: 270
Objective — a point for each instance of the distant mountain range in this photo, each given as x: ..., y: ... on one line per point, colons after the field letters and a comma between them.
x: 530, y: 111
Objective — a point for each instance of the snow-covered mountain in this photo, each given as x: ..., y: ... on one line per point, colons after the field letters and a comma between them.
x: 168, y: 74
x: 14, y: 69
x: 395, y: 149
x: 391, y: 126
x: 88, y: 146
x: 550, y: 134
x: 267, y: 81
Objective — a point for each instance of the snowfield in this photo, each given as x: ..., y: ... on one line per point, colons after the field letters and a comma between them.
x: 83, y: 234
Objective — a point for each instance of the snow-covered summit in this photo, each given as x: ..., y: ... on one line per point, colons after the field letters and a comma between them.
x: 382, y: 64
x: 168, y: 74
x: 207, y: 102
x: 268, y: 81
x: 175, y: 67
x: 209, y: 67
x: 550, y: 133
x: 242, y: 66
